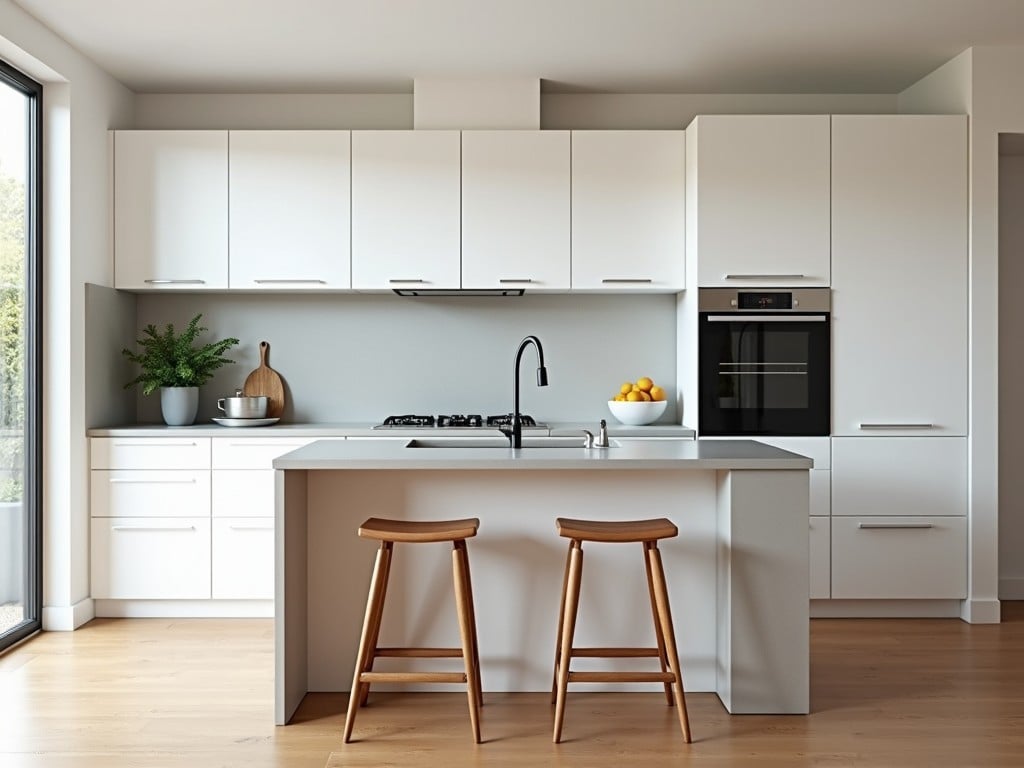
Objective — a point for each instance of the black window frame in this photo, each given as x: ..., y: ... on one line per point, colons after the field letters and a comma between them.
x: 33, y: 488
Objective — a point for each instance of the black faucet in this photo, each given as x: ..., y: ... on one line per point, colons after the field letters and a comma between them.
x: 515, y: 434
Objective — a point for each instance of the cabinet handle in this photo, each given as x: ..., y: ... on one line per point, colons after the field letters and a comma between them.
x: 765, y: 277
x: 895, y: 526
x: 153, y: 527
x: 126, y: 480
x: 175, y: 282
x: 767, y: 318
x: 517, y: 280
x: 131, y: 444
x: 289, y: 281
x: 894, y: 425
x: 251, y: 527
x: 417, y: 280
x: 626, y: 280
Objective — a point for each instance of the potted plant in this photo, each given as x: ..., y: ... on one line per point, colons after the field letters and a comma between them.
x: 177, y: 366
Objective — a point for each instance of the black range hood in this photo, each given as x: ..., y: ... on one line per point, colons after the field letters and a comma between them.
x: 440, y: 292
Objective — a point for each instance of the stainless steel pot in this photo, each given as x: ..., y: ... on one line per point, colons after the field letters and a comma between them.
x: 241, y: 407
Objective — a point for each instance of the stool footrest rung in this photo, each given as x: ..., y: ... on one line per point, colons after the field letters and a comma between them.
x: 615, y: 653
x: 412, y: 677
x: 621, y: 677
x: 419, y: 653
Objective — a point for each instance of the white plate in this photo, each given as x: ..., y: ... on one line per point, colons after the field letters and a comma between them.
x: 246, y: 422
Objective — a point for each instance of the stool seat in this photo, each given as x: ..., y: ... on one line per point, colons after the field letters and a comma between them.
x: 419, y: 530
x: 616, y: 531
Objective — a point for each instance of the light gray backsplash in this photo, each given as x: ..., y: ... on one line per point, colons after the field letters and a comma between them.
x: 362, y: 357
x: 110, y: 327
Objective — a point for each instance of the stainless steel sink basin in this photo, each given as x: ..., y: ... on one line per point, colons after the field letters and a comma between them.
x: 571, y: 441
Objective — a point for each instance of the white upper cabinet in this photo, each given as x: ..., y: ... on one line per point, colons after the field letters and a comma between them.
x: 628, y: 211
x: 289, y: 210
x: 759, y: 199
x: 405, y: 209
x: 899, y: 274
x: 515, y: 209
x: 171, y: 209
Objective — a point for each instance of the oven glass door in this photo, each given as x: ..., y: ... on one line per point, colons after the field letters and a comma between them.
x: 764, y: 374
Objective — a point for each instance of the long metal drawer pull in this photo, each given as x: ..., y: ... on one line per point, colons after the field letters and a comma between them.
x: 626, y: 280
x: 416, y: 280
x: 765, y: 277
x: 895, y: 526
x: 290, y: 281
x: 151, y: 481
x: 129, y: 444
x: 175, y: 282
x: 740, y: 318
x: 894, y: 425
x: 515, y: 280
x: 154, y: 527
x: 251, y: 527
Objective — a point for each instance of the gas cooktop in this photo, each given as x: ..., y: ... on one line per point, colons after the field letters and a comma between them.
x: 456, y: 421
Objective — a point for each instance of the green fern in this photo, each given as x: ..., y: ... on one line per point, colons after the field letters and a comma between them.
x: 168, y: 360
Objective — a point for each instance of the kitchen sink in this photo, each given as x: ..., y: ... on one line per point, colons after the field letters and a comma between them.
x: 572, y: 441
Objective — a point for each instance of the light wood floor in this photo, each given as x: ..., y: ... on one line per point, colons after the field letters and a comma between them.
x: 154, y: 693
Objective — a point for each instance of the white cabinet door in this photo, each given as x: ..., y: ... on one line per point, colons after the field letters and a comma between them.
x: 253, y: 453
x: 150, y: 453
x: 821, y: 558
x: 405, y: 209
x: 515, y: 209
x: 628, y: 211
x: 759, y: 195
x: 289, y: 210
x: 899, y: 274
x: 151, y: 558
x: 243, y: 493
x: 899, y: 476
x: 243, y: 558
x: 150, y: 493
x: 171, y: 209
x: 911, y: 558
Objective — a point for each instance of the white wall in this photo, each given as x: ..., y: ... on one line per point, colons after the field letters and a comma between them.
x: 81, y: 102
x: 1011, y: 374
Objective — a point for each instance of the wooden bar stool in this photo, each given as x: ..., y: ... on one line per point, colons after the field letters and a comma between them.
x: 646, y: 532
x: 388, y: 532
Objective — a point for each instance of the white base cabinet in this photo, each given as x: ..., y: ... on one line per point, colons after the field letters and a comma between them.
x: 821, y: 557
x: 243, y: 558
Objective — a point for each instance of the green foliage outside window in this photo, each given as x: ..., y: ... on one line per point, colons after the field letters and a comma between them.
x: 12, y: 336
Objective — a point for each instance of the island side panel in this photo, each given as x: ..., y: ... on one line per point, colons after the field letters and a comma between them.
x: 291, y: 615
x: 517, y: 563
x: 763, y: 586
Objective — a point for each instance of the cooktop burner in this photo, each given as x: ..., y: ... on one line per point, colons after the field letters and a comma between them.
x: 470, y: 421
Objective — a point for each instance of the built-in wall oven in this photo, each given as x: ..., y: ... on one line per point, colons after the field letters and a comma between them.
x: 764, y: 361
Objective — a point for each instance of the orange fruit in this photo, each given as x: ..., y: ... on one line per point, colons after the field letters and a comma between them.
x: 645, y: 395
x: 634, y: 397
x: 645, y: 383
x: 627, y: 387
x: 657, y: 393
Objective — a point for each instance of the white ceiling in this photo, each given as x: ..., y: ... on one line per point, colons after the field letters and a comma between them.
x: 619, y: 46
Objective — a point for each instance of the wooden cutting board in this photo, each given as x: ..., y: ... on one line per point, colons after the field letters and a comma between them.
x: 266, y: 381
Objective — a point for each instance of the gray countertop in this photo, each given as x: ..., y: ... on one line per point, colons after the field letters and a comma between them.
x: 632, y: 455
x: 365, y: 429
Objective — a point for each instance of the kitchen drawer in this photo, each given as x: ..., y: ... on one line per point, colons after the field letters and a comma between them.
x: 817, y: 448
x: 821, y: 558
x: 150, y: 493
x: 243, y: 558
x: 253, y: 452
x: 150, y: 453
x: 899, y: 557
x: 149, y: 558
x: 899, y: 476
x: 243, y: 493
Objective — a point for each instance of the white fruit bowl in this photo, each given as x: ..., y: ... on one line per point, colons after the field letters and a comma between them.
x: 637, y: 414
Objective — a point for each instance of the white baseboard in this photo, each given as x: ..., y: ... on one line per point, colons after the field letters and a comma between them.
x: 980, y: 611
x: 885, y: 609
x: 180, y: 609
x: 1011, y: 588
x: 65, y: 618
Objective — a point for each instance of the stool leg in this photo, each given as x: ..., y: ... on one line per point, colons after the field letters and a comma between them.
x: 365, y: 653
x: 561, y: 618
x: 657, y: 624
x: 465, y: 627
x: 568, y: 630
x: 665, y: 617
x: 472, y: 626
x: 375, y: 628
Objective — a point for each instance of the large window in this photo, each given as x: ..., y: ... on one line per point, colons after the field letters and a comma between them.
x: 20, y: 358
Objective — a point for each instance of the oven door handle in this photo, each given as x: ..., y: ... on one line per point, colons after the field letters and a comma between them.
x: 767, y: 318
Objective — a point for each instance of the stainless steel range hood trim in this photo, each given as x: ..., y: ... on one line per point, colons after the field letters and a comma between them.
x: 444, y: 292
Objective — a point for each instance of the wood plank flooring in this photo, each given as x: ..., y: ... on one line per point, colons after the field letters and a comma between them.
x: 155, y: 693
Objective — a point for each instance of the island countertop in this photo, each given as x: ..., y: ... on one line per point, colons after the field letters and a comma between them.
x: 628, y: 455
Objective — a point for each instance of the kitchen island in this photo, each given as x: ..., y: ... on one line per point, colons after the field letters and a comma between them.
x: 738, y: 571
